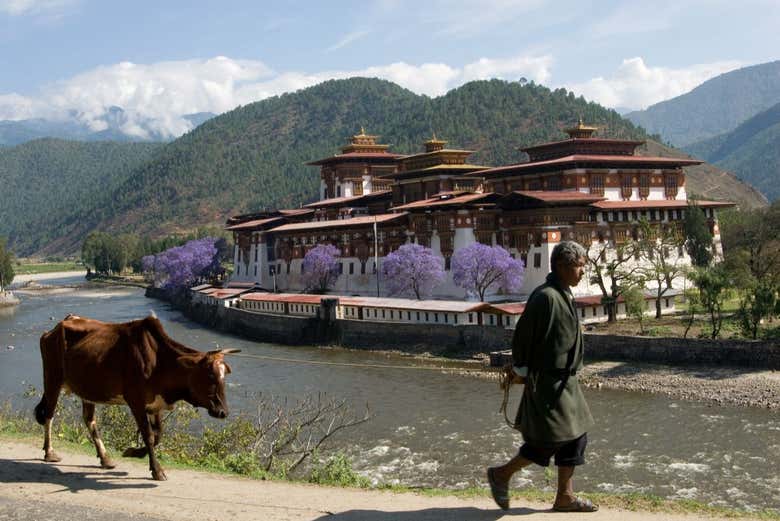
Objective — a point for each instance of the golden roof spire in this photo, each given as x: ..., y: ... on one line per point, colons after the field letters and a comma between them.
x: 581, y: 131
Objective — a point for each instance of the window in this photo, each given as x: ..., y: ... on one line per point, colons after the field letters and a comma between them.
x: 418, y: 316
x: 436, y: 317
x: 594, y: 311
x: 383, y: 313
x: 471, y: 318
x: 362, y: 267
x: 445, y: 317
x: 447, y: 263
x: 426, y: 317
x: 256, y: 248
x: 255, y: 270
x: 582, y: 312
x: 597, y: 184
x: 408, y: 315
x: 644, y: 186
x: 537, y: 260
x: 351, y: 268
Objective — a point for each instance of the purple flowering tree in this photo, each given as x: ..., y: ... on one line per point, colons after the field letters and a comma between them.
x: 177, y: 269
x: 413, y: 269
x: 321, y: 268
x: 479, y: 267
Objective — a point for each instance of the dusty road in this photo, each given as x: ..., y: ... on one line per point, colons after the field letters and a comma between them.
x: 77, y: 488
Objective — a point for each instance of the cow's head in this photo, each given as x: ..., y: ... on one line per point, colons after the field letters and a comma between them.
x: 207, y: 382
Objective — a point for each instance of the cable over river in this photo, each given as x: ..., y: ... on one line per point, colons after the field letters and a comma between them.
x: 441, y: 427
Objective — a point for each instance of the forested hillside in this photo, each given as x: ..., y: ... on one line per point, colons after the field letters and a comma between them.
x: 751, y: 151
x: 254, y: 156
x: 45, y: 184
x: 715, y: 107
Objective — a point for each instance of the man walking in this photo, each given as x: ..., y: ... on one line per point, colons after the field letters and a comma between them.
x: 547, y: 351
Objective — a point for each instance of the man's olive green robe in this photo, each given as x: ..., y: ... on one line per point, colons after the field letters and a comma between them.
x: 548, y: 341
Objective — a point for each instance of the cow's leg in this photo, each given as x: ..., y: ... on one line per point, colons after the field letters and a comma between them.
x: 145, y: 427
x: 52, y: 346
x: 139, y: 452
x: 88, y: 413
x: 48, y: 452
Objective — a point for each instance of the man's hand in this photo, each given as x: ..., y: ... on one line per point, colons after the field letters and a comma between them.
x: 510, y: 377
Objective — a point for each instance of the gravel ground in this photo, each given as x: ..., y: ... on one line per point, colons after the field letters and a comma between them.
x: 723, y: 386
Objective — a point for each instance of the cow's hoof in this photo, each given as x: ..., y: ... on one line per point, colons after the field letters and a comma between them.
x: 51, y: 457
x: 107, y: 463
x: 134, y: 452
x: 159, y: 475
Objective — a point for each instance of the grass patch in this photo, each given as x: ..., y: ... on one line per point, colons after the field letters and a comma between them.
x: 47, y: 267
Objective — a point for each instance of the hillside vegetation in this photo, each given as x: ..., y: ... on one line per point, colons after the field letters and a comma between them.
x: 716, y: 106
x: 751, y: 151
x: 254, y: 157
x: 44, y: 182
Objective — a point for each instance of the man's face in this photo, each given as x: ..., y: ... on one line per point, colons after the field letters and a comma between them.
x: 571, y: 274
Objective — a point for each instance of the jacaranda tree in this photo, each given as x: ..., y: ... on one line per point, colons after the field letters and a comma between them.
x: 321, y: 268
x: 479, y: 267
x: 179, y: 268
x: 413, y: 269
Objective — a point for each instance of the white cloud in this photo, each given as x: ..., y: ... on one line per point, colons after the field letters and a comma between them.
x: 346, y: 40
x: 634, y: 85
x: 27, y: 7
x: 156, y: 96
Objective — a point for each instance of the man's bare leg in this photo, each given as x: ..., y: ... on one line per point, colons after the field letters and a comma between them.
x: 565, y: 495
x: 505, y: 472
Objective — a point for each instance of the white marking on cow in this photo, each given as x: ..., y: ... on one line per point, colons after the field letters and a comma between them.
x: 221, y: 370
x: 152, y: 314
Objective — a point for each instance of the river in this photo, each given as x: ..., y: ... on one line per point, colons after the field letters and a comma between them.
x: 436, y: 428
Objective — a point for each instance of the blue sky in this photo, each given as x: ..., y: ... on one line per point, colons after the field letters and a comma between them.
x: 160, y: 60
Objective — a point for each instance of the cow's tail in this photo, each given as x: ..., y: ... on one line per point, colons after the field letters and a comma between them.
x: 52, y: 358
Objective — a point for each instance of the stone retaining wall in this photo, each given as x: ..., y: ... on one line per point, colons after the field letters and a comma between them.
x: 442, y: 339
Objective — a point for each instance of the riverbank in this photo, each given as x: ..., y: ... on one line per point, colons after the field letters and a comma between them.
x: 190, y: 494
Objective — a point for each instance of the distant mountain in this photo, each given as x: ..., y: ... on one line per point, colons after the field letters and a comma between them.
x: 254, y: 156
x: 751, y: 151
x: 716, y: 106
x: 74, y: 129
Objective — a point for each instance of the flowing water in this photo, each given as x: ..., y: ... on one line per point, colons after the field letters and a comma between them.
x: 436, y: 428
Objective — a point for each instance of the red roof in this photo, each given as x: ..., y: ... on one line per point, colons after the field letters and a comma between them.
x: 663, y: 203
x: 510, y: 308
x: 552, y: 196
x: 340, y: 223
x: 356, y: 156
x: 444, y: 201
x: 253, y: 224
x: 338, y: 201
x: 283, y: 297
x: 589, y: 158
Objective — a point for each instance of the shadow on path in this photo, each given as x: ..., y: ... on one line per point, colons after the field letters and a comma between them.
x: 91, y: 478
x: 429, y: 514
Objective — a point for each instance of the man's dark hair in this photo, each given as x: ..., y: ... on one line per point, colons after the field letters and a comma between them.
x: 567, y: 252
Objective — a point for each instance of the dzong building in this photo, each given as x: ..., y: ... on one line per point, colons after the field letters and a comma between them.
x: 583, y: 188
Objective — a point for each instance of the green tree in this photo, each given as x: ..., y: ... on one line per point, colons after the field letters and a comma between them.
x: 617, y: 270
x: 635, y: 301
x: 713, y: 284
x: 661, y: 263
x: 757, y: 303
x: 698, y: 242
x: 7, y: 272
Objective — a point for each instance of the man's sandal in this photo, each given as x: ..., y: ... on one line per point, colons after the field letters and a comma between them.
x: 499, y: 492
x: 578, y: 505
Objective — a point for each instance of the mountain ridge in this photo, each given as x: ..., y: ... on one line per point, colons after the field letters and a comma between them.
x: 718, y: 105
x: 254, y: 156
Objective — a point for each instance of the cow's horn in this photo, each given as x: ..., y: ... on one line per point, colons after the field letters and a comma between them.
x: 223, y: 351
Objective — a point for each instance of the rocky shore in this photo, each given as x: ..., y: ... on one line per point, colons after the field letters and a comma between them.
x: 716, y: 385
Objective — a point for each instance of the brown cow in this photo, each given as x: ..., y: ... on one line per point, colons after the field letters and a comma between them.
x: 134, y: 363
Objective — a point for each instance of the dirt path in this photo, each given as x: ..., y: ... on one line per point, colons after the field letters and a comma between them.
x: 78, y: 485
